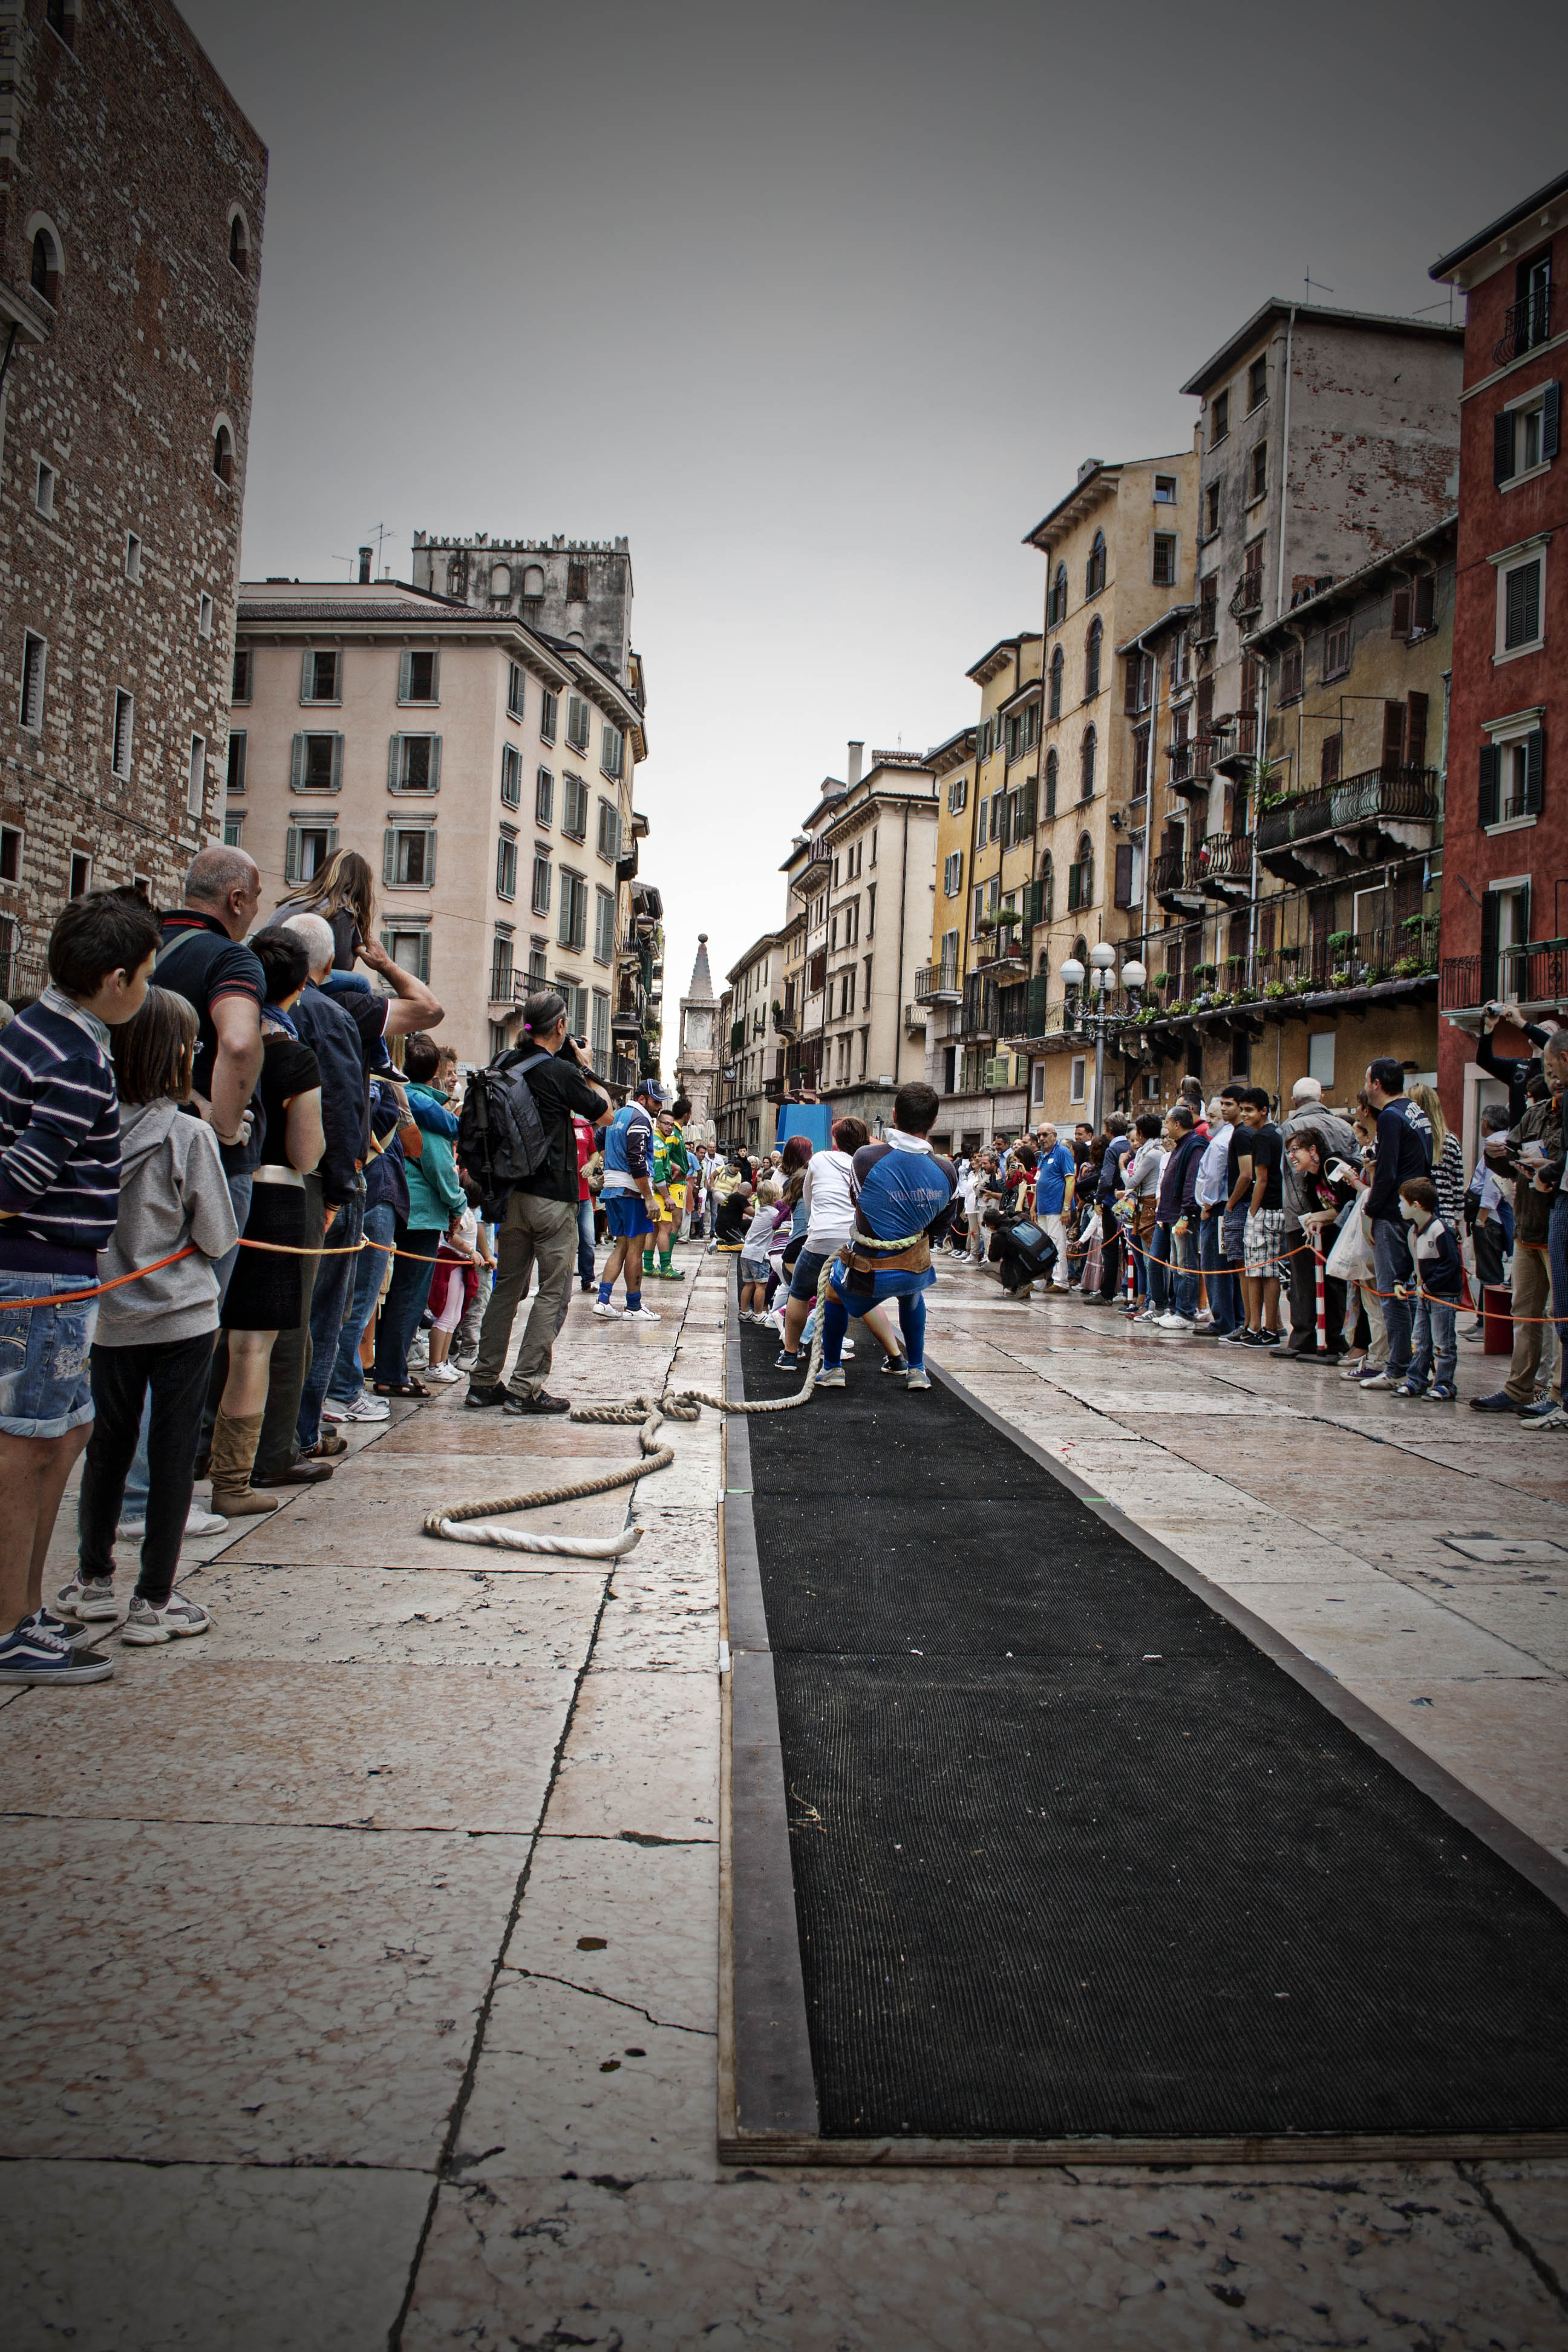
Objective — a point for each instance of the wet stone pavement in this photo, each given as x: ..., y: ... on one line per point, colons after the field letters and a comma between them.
x: 362, y: 1955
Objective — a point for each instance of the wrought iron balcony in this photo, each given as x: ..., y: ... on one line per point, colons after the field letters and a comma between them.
x: 1524, y: 324
x: 938, y: 983
x: 626, y: 1021
x: 1390, y: 803
x: 979, y: 1006
x: 1226, y: 863
x: 1207, y: 626
x: 1249, y: 595
x: 1236, y: 744
x: 1178, y: 876
x: 998, y: 951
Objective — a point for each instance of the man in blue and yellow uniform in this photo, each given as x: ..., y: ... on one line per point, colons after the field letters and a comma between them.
x: 903, y: 1191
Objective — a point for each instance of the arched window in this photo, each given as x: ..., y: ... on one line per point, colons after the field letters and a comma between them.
x: 1095, y: 640
x: 1094, y: 577
x: 1086, y: 765
x: 1058, y: 610
x: 1047, y: 888
x: 44, y: 270
x: 1055, y: 709
x: 238, y: 241
x: 533, y: 579
x: 500, y: 583
x: 1080, y: 945
x: 1052, y: 769
x: 222, y: 452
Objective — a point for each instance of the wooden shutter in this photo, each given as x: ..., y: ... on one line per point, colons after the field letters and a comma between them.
x: 394, y: 764
x: 337, y: 763
x: 1490, y: 770
x: 1534, y: 771
x: 291, y: 855
x: 1550, y: 427
x: 1502, y: 445
x: 405, y: 675
x: 388, y: 854
x: 1028, y: 802
x: 1401, y: 612
x: 1124, y: 874
x: 1490, y: 912
x: 1415, y: 731
x: 297, y: 765
x: 1393, y: 738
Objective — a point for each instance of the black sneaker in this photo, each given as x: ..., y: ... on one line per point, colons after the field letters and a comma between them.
x: 542, y: 1402
x: 480, y: 1397
x: 1267, y: 1340
x: 785, y: 1362
x: 1238, y: 1337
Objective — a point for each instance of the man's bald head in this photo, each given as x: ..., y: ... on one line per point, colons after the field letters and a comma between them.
x: 226, y: 884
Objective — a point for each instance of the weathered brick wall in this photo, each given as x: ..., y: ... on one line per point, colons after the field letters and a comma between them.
x: 127, y: 144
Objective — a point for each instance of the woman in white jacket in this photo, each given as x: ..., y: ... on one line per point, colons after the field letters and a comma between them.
x: 156, y: 1333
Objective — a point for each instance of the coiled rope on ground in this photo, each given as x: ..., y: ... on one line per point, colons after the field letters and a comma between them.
x: 650, y: 1413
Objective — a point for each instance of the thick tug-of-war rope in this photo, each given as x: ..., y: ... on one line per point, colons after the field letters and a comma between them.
x: 651, y: 1413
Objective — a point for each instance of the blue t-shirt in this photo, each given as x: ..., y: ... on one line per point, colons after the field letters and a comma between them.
x: 1051, y: 1179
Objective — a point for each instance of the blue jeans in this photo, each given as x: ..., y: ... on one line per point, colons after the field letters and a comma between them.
x: 1185, y: 1284
x: 1434, y: 1333
x: 345, y: 1382
x: 330, y: 1302
x: 1224, y: 1291
x: 405, y: 1302
x: 585, y: 1242
x: 1161, y: 1253
x: 138, y: 1478
x: 1391, y: 1261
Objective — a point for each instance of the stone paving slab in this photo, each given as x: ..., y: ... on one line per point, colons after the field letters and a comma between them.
x: 254, y: 1996
x: 206, y: 2255
x: 611, y: 1917
x: 815, y: 2263
x: 1507, y: 1740
x: 642, y: 1757
x: 363, y: 1616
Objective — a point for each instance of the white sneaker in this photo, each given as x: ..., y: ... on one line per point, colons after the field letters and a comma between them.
x: 1204, y: 1322
x: 918, y: 1379
x: 145, y: 1625
x: 365, y: 1407
x: 88, y: 1603
x: 606, y: 1307
x: 200, y: 1522
x: 641, y: 1315
x: 441, y: 1373
x: 1382, y: 1380
x: 1175, y: 1323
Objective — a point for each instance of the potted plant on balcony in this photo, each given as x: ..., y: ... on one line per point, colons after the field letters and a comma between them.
x: 1289, y: 957
x: 1341, y: 945
x: 1204, y: 973
x: 1161, y: 981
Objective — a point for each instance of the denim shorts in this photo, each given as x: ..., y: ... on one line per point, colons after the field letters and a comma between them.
x: 808, y: 1266
x: 44, y: 1389
x: 754, y: 1269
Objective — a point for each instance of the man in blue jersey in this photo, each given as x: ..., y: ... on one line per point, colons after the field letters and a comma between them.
x: 903, y: 1192
x: 627, y: 1197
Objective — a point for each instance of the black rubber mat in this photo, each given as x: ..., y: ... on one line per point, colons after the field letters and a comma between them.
x: 1072, y: 1856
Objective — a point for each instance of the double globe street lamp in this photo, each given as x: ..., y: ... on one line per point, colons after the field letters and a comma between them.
x: 1096, y: 1017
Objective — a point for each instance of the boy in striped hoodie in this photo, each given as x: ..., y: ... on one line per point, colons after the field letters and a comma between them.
x: 60, y: 1196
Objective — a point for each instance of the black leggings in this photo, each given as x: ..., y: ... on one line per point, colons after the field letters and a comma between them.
x: 177, y: 1372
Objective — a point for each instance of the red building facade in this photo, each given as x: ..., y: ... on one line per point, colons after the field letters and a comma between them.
x: 1505, y: 857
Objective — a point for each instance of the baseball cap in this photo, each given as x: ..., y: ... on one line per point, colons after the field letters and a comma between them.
x: 654, y: 1093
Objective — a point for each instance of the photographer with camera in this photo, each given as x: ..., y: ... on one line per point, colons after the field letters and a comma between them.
x: 544, y: 1080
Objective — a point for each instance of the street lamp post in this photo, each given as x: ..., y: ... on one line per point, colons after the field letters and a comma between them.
x: 1096, y: 1020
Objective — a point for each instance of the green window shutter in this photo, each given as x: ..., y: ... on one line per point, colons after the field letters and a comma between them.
x: 337, y: 763
x: 435, y: 763
x: 424, y: 955
x: 1490, y: 769
x: 291, y: 855
x: 395, y: 763
x: 297, y: 764
x: 430, y: 855
x: 405, y: 675
x: 1535, y: 770
x: 435, y: 676
x: 307, y: 677
x: 388, y: 854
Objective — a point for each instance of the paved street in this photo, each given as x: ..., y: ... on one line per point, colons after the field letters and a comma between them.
x: 363, y: 1963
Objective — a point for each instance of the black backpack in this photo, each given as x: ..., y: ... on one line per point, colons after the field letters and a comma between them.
x: 501, y: 1134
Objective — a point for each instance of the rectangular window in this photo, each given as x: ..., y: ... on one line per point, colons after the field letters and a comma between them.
x: 603, y: 925
x: 306, y: 849
x: 510, y: 776
x: 419, y: 677
x: 320, y: 677
x: 540, y: 900
x: 132, y: 556
x: 414, y: 764
x: 203, y: 616
x: 124, y: 726
x: 408, y: 945
x: 870, y: 909
x: 196, y: 783
x: 81, y: 874
x: 548, y: 706
x: 543, y: 797
x: 243, y: 664
x: 1291, y: 674
x: 44, y: 491
x: 1257, y: 384
x: 408, y: 856
x: 1328, y: 763
x: 1258, y: 483
x: 576, y: 722
x: 571, y: 931
x: 576, y: 584
x: 1164, y: 490
x: 1219, y: 418
x: 1164, y: 559
x: 318, y: 764
x: 574, y: 807
x: 501, y: 969
x: 957, y: 794
x: 235, y: 779
x: 609, y: 843
x: 233, y: 830
x: 1077, y: 1078
x: 1337, y: 650
x: 34, y: 664
x: 599, y: 1034
x: 538, y: 959
x: 1521, y: 605
x: 10, y: 853
x: 516, y: 692
x: 611, y: 750
x: 506, y: 864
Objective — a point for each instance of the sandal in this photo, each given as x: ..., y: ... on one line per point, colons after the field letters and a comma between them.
x: 409, y: 1389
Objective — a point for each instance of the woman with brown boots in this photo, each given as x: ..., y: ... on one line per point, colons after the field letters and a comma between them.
x: 266, y: 1293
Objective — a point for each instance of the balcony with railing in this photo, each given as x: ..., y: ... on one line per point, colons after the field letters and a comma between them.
x: 1178, y: 878
x: 938, y: 983
x: 1192, y: 765
x: 1207, y: 626
x: 1248, y: 598
x: 1226, y: 864
x: 1001, y: 951
x: 980, y: 996
x: 1534, y: 976
x: 1236, y: 744
x: 1524, y: 325
x: 1401, y: 805
x: 786, y: 1019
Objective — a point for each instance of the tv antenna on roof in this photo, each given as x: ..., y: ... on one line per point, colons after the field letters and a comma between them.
x: 1311, y: 283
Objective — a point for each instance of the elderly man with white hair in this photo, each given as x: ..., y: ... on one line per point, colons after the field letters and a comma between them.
x: 1335, y: 1141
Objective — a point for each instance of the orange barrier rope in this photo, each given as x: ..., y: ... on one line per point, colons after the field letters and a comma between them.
x: 284, y: 1249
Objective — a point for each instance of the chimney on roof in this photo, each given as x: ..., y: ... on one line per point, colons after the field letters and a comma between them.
x: 1090, y: 466
x: 365, y: 555
x: 855, y: 750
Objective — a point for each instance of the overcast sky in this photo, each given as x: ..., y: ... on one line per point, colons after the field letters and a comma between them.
x: 821, y: 306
